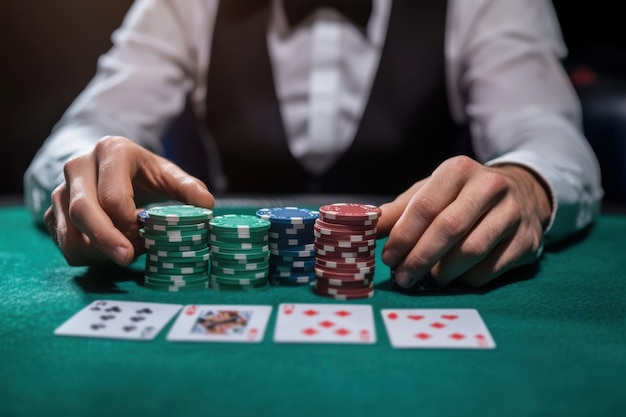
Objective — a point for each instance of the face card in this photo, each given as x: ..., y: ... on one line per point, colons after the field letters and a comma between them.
x: 119, y: 320
x: 325, y: 323
x: 221, y: 323
x: 437, y: 328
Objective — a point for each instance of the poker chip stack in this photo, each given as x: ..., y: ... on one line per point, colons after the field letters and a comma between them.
x: 176, y: 239
x: 239, y: 252
x: 291, y: 243
x: 345, y: 243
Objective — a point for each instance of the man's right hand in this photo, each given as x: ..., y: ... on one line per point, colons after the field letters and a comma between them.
x: 93, y: 216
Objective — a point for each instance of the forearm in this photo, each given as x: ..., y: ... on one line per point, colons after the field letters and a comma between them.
x: 562, y: 158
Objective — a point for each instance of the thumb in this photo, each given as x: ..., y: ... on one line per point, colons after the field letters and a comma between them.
x: 392, y: 211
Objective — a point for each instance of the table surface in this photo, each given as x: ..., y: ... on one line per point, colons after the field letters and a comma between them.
x: 560, y: 329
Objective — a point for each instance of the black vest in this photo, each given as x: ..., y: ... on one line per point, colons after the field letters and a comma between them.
x: 405, y: 132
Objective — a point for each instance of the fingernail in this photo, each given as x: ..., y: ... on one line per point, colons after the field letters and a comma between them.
x: 405, y: 279
x: 390, y: 257
x: 119, y: 255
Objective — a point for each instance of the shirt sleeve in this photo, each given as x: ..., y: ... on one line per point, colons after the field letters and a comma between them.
x: 158, y: 56
x: 507, y: 81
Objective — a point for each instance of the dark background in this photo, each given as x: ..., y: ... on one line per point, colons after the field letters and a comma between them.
x: 49, y: 51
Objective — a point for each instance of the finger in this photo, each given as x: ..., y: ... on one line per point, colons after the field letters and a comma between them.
x: 435, y: 194
x: 392, y: 211
x: 479, y: 192
x: 154, y: 178
x: 87, y: 215
x: 73, y: 243
x: 506, y: 256
x: 497, y: 225
x: 522, y: 247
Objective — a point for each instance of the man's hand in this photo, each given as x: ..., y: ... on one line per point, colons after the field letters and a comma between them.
x: 466, y: 223
x: 93, y: 217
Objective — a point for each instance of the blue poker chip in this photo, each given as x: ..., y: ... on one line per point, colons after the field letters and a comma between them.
x: 143, y: 216
x: 288, y: 215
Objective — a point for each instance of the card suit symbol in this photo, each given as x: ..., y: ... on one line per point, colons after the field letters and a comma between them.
x: 129, y: 328
x: 191, y: 311
x: 327, y: 324
x: 438, y: 325
x: 423, y: 336
x: 97, y: 326
x: 114, y: 309
x: 342, y: 332
x: 415, y: 317
x: 365, y: 335
x: 457, y: 336
x: 144, y: 311
x: 309, y: 331
x: 288, y: 308
x: 481, y: 340
x: 137, y: 318
x: 253, y: 333
x: 449, y: 316
x: 310, y: 313
x: 96, y: 306
x: 147, y: 331
x: 392, y: 316
x: 343, y: 313
x: 106, y: 317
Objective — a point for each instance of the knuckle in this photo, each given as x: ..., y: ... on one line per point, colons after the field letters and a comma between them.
x: 476, y: 248
x: 453, y: 226
x: 416, y: 260
x: 423, y: 206
x: 495, y: 183
x: 108, y: 200
x: 78, y: 206
x: 462, y: 163
x: 109, y: 144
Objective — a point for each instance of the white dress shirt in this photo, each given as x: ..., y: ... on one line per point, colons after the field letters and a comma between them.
x: 502, y: 71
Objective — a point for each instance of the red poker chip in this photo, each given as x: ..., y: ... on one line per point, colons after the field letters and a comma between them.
x: 341, y: 243
x: 350, y: 237
x: 334, y: 248
x: 343, y: 227
x: 342, y: 283
x: 330, y: 273
x: 346, y: 286
x: 369, y: 223
x: 347, y: 272
x: 370, y: 294
x: 334, y: 264
x: 350, y: 211
x: 345, y: 255
x: 337, y: 291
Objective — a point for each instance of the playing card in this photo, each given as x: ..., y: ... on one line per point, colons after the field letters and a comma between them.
x: 220, y: 323
x: 119, y: 320
x: 437, y: 328
x: 325, y: 323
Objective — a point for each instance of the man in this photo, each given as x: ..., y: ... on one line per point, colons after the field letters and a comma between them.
x: 321, y: 100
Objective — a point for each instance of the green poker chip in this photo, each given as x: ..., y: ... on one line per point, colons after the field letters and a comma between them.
x: 240, y: 224
x: 226, y: 287
x: 179, y: 214
x: 177, y: 288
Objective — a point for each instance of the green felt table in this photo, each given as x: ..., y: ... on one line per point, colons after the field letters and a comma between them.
x: 559, y: 327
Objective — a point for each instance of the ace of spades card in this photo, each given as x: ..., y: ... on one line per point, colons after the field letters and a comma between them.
x: 119, y: 320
